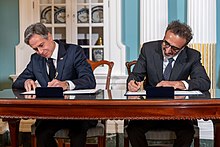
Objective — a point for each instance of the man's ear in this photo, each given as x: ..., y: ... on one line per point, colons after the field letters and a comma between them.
x: 50, y: 36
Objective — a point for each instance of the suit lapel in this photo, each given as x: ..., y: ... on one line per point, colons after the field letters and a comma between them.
x: 60, y: 66
x: 179, y: 65
x: 61, y: 59
x: 158, y: 63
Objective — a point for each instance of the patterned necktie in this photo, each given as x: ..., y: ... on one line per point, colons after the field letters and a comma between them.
x: 52, y: 69
x: 168, y: 69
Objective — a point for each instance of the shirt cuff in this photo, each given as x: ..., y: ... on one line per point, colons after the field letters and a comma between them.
x: 71, y: 85
x: 186, y: 85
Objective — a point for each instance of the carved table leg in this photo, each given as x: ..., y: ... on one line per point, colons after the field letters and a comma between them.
x: 216, y: 125
x: 14, y: 130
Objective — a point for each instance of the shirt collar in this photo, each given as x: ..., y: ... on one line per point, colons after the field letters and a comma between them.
x: 55, y: 52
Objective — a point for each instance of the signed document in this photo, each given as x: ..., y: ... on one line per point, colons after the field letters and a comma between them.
x: 69, y: 92
x: 176, y: 93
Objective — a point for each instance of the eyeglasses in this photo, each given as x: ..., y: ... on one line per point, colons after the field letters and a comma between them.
x: 174, y: 48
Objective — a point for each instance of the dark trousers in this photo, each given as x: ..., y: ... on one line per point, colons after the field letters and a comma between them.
x: 183, y: 128
x: 46, y: 129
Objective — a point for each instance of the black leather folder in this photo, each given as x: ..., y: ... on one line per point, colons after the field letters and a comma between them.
x: 160, y: 92
x: 49, y: 92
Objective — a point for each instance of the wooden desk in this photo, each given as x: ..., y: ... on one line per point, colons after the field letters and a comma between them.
x: 119, y: 107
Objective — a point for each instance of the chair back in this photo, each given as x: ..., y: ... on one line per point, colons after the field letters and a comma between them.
x: 129, y: 64
x: 110, y: 64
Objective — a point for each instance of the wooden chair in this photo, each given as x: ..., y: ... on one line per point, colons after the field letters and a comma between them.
x: 160, y: 137
x: 100, y: 129
x: 129, y: 65
x: 110, y: 65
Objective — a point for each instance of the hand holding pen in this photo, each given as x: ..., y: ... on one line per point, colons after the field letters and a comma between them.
x: 56, y: 83
x: 134, y: 85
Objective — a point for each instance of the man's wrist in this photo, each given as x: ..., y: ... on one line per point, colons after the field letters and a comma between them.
x: 186, y: 85
x: 71, y: 85
x: 67, y: 85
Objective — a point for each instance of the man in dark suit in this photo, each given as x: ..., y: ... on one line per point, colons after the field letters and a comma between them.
x: 71, y: 71
x: 168, y: 63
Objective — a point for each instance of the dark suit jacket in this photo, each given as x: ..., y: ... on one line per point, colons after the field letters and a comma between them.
x: 71, y: 65
x: 187, y: 64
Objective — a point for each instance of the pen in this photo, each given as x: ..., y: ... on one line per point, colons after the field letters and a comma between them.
x: 56, y: 74
x: 135, y: 82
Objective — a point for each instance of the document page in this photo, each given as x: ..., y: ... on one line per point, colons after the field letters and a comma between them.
x: 176, y: 92
x: 141, y: 92
x: 186, y: 92
x: 83, y: 91
x: 32, y: 92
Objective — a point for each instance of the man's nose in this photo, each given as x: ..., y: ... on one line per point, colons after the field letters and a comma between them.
x: 168, y: 50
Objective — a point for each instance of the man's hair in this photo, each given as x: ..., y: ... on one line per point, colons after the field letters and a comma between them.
x: 37, y: 28
x: 181, y: 29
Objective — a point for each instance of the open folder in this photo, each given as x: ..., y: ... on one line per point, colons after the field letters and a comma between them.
x: 176, y: 93
x: 69, y: 92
